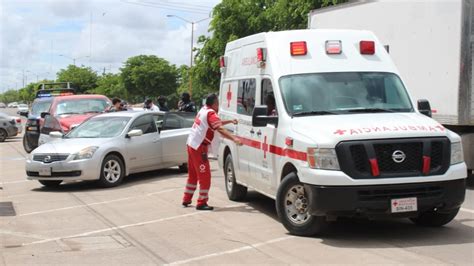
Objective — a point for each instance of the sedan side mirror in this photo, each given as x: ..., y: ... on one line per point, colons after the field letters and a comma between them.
x: 23, y: 113
x: 260, y: 118
x: 44, y: 114
x: 56, y: 134
x: 424, y: 107
x: 134, y: 133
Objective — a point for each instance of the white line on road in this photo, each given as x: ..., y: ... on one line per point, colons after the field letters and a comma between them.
x: 98, y: 203
x: 13, y: 182
x: 21, y: 234
x: 251, y: 246
x: 467, y: 210
x: 124, y: 226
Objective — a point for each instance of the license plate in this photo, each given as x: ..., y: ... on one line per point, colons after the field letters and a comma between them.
x: 404, y: 205
x: 45, y: 171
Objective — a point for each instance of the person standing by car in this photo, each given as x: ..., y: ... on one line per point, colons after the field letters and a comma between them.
x: 202, y: 132
x: 162, y: 104
x: 116, y: 105
x: 150, y: 106
x: 185, y: 104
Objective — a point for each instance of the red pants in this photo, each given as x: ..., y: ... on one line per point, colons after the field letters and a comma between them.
x: 198, y: 171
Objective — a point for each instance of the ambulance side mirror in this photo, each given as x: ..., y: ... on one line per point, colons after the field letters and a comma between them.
x: 260, y: 117
x: 424, y: 107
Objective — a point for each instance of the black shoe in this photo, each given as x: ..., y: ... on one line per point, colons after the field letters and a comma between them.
x: 186, y: 204
x: 204, y: 208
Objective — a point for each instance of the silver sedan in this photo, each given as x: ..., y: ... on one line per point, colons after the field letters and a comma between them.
x: 107, y: 148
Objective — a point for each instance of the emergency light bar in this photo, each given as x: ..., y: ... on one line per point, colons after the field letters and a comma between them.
x: 298, y: 48
x: 367, y: 47
x: 333, y: 47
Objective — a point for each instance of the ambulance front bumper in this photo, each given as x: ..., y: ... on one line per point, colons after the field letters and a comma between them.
x: 375, y: 200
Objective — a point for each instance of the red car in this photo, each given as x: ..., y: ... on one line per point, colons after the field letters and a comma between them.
x: 67, y: 112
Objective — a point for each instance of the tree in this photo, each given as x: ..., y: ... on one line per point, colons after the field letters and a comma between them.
x: 233, y: 19
x: 82, y: 78
x: 111, y: 85
x: 9, y: 96
x: 149, y: 76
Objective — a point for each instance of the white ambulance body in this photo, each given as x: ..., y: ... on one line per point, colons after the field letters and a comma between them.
x: 344, y: 137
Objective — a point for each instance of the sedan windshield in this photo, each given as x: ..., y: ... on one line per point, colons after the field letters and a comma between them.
x: 100, y: 127
x: 342, y: 93
x: 81, y: 106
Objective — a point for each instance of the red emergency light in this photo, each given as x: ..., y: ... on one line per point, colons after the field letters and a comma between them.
x: 367, y: 47
x: 333, y: 47
x: 298, y: 48
x: 261, y: 55
x: 222, y: 61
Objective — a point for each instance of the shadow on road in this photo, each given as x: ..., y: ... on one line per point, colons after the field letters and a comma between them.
x: 132, y: 180
x: 364, y: 233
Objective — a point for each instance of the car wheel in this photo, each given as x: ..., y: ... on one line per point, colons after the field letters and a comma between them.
x: 112, y: 171
x: 183, y: 168
x: 26, y: 145
x: 434, y: 218
x: 3, y: 135
x: 50, y: 183
x: 235, y: 191
x: 292, y: 206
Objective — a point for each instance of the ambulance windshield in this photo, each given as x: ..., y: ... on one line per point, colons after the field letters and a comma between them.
x: 344, y: 92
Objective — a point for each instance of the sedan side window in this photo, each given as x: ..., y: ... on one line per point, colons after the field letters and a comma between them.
x: 146, y: 123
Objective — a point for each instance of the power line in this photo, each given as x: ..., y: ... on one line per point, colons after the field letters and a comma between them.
x: 168, y: 7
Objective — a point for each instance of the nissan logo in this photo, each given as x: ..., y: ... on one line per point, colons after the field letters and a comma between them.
x: 47, y: 159
x: 398, y: 156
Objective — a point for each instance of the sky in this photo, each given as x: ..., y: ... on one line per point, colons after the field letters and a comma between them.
x: 40, y: 37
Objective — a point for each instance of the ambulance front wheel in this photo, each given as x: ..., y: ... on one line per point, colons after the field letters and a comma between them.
x: 292, y: 206
x: 235, y: 191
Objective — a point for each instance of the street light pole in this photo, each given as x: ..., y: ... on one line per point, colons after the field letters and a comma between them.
x: 192, y: 46
x: 74, y: 58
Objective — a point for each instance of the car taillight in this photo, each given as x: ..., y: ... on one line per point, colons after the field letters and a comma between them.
x: 18, y: 120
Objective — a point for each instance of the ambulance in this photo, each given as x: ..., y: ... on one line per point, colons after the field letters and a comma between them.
x: 329, y: 130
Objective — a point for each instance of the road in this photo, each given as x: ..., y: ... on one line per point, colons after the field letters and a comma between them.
x: 142, y: 223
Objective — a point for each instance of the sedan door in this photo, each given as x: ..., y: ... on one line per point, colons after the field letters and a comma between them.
x: 144, y: 151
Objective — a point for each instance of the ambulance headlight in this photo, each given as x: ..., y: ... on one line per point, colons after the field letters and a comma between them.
x: 456, y: 153
x: 320, y: 158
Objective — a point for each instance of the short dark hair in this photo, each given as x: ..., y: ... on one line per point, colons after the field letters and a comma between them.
x: 116, y: 100
x: 211, y: 99
x: 185, y: 96
x: 148, y: 101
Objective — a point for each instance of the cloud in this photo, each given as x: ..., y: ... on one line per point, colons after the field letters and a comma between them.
x: 33, y: 34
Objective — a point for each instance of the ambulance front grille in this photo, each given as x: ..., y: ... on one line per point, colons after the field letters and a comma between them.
x: 354, y: 157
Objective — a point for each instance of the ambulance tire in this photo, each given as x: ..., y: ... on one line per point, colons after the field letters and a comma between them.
x: 435, y: 219
x: 290, y: 196
x: 235, y: 192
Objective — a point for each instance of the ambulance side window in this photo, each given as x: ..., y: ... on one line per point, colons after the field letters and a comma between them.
x: 268, y: 97
x: 246, y: 96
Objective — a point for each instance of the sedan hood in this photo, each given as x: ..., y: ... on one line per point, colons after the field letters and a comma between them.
x: 331, y: 129
x: 69, y: 145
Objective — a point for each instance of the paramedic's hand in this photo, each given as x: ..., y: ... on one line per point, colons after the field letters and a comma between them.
x: 235, y: 121
x: 237, y: 142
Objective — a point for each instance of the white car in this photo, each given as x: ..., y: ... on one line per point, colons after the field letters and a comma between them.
x: 22, y: 108
x: 107, y: 148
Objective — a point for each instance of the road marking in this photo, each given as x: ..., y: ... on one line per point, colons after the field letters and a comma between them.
x: 124, y: 226
x: 467, y: 210
x: 98, y: 203
x: 14, y: 182
x: 249, y: 247
x: 12, y: 158
x: 21, y: 234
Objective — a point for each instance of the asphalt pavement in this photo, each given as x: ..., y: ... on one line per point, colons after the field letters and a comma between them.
x: 141, y: 222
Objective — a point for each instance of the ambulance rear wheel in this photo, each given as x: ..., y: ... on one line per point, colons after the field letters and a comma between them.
x: 235, y: 191
x: 292, y: 204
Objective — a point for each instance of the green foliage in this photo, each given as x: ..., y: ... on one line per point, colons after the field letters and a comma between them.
x: 110, y: 85
x: 9, y: 96
x: 149, y: 76
x: 233, y: 19
x: 82, y: 78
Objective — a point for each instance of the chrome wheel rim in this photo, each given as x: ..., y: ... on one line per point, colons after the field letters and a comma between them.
x: 230, y: 177
x: 296, y: 205
x: 112, y: 171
